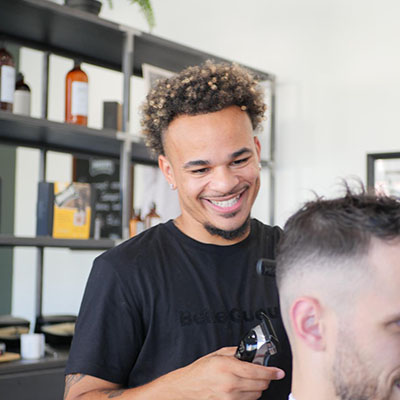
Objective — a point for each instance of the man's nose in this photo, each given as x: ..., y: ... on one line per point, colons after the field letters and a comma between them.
x: 224, y: 180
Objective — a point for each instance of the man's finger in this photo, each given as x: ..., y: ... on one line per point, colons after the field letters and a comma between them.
x: 248, y: 370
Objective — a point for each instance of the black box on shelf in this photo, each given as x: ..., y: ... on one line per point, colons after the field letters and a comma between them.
x: 112, y: 115
x: 64, y: 210
x: 45, y: 209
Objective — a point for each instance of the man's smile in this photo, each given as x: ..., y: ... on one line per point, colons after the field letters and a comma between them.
x: 226, y: 204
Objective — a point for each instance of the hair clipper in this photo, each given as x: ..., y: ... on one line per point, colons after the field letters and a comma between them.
x: 259, y: 344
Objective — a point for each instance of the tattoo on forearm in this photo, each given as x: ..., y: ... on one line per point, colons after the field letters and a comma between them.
x: 70, y: 380
x: 113, y: 393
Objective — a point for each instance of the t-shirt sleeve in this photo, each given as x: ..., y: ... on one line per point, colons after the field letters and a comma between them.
x: 109, y: 332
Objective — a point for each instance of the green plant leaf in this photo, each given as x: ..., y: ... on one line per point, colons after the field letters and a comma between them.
x: 145, y: 7
x: 147, y: 10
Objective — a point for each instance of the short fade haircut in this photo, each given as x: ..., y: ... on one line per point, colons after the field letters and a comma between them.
x: 198, y: 90
x: 335, y: 231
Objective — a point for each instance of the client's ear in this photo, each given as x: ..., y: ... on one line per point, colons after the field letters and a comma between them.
x: 307, y: 323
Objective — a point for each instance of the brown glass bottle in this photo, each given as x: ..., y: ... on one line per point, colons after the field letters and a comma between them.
x: 7, y: 80
x: 76, y: 96
x: 136, y: 224
x: 152, y: 218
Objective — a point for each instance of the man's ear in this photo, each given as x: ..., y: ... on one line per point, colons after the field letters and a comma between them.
x: 258, y: 147
x: 166, y: 169
x: 307, y: 322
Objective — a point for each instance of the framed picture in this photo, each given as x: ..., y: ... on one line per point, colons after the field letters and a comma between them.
x: 155, y: 188
x: 383, y: 173
x: 152, y: 74
x: 266, y: 131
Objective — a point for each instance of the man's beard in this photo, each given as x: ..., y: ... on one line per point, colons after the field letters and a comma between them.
x: 229, y: 235
x: 352, y: 377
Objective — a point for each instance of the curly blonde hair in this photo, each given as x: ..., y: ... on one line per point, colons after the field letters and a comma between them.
x: 198, y: 90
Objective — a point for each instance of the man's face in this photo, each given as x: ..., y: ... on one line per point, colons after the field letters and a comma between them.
x: 213, y: 160
x: 367, y: 363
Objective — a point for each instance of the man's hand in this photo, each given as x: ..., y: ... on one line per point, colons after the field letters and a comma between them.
x: 218, y: 375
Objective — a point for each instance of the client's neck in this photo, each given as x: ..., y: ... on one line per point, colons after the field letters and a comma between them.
x: 309, y: 382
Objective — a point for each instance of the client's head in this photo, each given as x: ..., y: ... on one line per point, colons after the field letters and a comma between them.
x: 338, y: 274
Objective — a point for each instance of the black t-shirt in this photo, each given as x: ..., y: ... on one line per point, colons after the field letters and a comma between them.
x: 161, y: 300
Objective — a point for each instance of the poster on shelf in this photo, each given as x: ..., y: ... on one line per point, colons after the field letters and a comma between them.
x: 103, y: 175
x: 64, y: 210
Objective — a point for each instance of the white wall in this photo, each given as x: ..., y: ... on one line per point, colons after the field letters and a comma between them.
x: 337, y: 64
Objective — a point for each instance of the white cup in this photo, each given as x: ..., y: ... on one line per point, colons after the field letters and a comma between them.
x: 32, y: 346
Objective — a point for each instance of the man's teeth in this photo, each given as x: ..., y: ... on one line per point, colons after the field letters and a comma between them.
x: 226, y: 203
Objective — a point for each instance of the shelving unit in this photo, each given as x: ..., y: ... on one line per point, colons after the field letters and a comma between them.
x: 57, y: 29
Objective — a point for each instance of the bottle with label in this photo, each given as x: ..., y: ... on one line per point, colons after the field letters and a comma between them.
x: 76, y: 95
x: 7, y: 80
x: 136, y: 224
x: 22, y: 97
x: 152, y: 218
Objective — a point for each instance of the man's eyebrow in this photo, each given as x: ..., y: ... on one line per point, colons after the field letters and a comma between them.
x: 202, y: 163
x: 195, y: 163
x: 240, y: 152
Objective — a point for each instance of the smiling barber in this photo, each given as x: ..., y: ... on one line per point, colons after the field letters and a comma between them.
x: 163, y: 312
